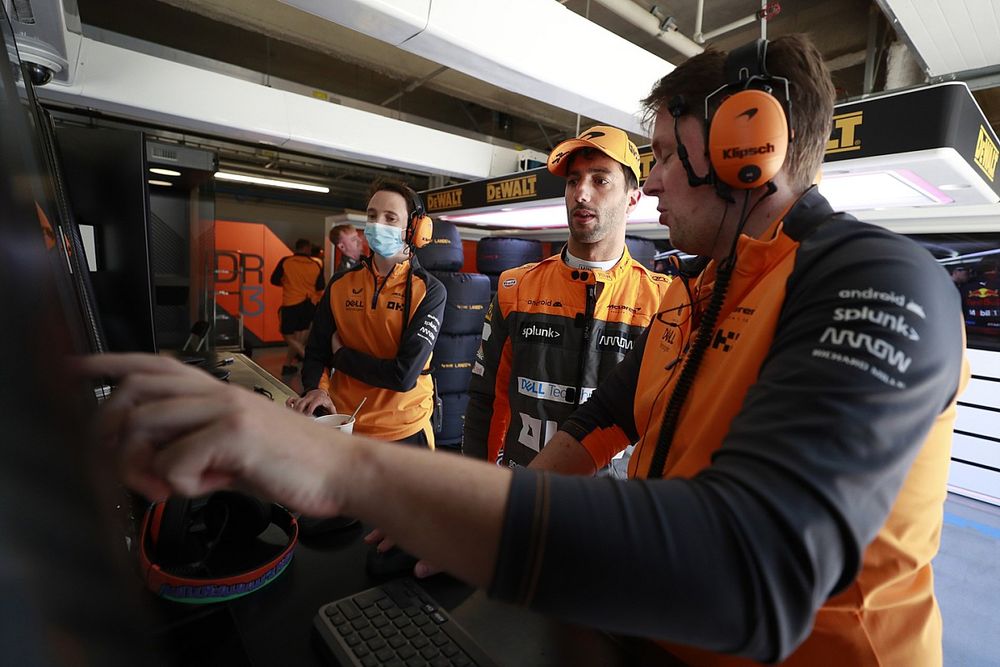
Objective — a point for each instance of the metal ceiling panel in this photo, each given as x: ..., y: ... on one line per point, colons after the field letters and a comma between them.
x: 538, y: 49
x: 949, y: 36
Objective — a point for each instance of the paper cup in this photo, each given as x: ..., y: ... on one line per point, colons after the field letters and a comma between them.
x: 344, y: 423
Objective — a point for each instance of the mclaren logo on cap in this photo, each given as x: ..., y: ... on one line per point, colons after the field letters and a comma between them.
x: 592, y: 135
x: 749, y: 113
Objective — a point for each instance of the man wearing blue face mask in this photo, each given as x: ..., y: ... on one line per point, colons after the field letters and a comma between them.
x: 375, y: 327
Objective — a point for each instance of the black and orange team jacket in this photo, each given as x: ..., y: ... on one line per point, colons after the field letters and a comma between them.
x: 807, y: 469
x: 383, y: 357
x: 300, y: 277
x: 550, y: 335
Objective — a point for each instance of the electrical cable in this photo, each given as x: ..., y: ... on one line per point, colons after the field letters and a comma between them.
x: 702, y: 340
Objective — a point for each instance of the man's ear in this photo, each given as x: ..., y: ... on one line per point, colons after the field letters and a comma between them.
x: 633, y: 198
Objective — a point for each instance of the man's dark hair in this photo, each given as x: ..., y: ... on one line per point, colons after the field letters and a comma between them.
x: 791, y: 56
x: 405, y: 191
x: 303, y: 245
x: 631, y: 182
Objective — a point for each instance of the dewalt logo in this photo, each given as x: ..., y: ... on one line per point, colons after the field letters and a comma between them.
x: 645, y: 166
x: 986, y: 153
x: 521, y: 187
x: 438, y: 201
x: 844, y: 136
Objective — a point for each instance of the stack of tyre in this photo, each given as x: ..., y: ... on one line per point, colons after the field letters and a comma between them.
x: 642, y: 250
x: 461, y: 330
x: 496, y: 254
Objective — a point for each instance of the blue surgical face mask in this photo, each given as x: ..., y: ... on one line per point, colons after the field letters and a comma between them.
x: 385, y: 240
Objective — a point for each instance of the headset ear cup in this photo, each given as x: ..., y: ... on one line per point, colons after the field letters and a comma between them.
x: 245, y: 517
x: 421, y: 231
x: 748, y: 139
x: 169, y: 535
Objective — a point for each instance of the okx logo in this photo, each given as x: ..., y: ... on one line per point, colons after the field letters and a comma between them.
x: 723, y: 339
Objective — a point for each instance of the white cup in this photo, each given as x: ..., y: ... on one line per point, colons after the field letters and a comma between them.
x: 344, y: 423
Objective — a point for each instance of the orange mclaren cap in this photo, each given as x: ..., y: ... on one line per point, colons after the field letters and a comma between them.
x: 609, y: 140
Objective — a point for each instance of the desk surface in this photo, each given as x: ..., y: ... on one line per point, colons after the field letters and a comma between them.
x: 273, y: 626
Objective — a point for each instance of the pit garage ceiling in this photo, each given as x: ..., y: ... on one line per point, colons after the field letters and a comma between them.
x: 278, y: 40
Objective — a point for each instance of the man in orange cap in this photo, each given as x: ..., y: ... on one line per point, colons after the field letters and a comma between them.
x: 556, y: 328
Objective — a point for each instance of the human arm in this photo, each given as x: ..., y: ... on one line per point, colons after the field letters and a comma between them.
x: 739, y: 557
x: 320, y: 279
x: 736, y: 559
x: 179, y: 430
x: 491, y: 369
x: 318, y: 359
x: 601, y: 427
x: 400, y: 373
x: 278, y: 273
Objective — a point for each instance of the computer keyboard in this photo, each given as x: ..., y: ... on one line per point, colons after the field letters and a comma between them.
x: 397, y: 624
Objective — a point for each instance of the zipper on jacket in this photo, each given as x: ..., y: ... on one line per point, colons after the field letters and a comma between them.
x: 588, y: 327
x: 378, y: 288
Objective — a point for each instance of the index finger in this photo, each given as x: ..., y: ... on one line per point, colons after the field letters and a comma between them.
x: 120, y: 365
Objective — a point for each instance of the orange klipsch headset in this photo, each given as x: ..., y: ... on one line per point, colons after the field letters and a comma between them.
x: 747, y: 124
x: 419, y: 227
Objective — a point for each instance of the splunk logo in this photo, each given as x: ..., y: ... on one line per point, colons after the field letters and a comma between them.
x: 883, y: 319
x: 539, y: 332
x: 740, y: 153
x: 861, y: 341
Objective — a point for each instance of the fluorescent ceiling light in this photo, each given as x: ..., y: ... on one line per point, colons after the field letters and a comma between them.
x: 164, y: 172
x: 270, y: 182
x: 547, y: 214
x: 165, y: 184
x: 534, y: 217
x: 859, y: 191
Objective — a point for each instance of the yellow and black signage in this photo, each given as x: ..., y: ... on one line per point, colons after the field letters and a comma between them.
x: 534, y: 184
x: 845, y: 135
x: 646, y: 163
x: 941, y: 116
x: 443, y: 200
x: 944, y: 115
x: 986, y: 153
x: 509, y: 189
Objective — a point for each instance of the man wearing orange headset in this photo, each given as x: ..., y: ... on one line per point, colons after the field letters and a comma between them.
x: 375, y: 327
x: 793, y: 407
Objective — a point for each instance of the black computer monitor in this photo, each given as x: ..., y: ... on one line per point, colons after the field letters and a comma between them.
x: 68, y: 597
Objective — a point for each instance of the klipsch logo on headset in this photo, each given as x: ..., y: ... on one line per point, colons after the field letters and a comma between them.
x: 539, y: 332
x: 740, y: 153
x: 844, y: 136
x: 986, y: 153
x: 439, y: 201
x: 521, y: 187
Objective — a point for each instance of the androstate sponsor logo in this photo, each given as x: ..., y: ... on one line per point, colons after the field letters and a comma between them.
x: 550, y: 391
x: 540, y: 332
